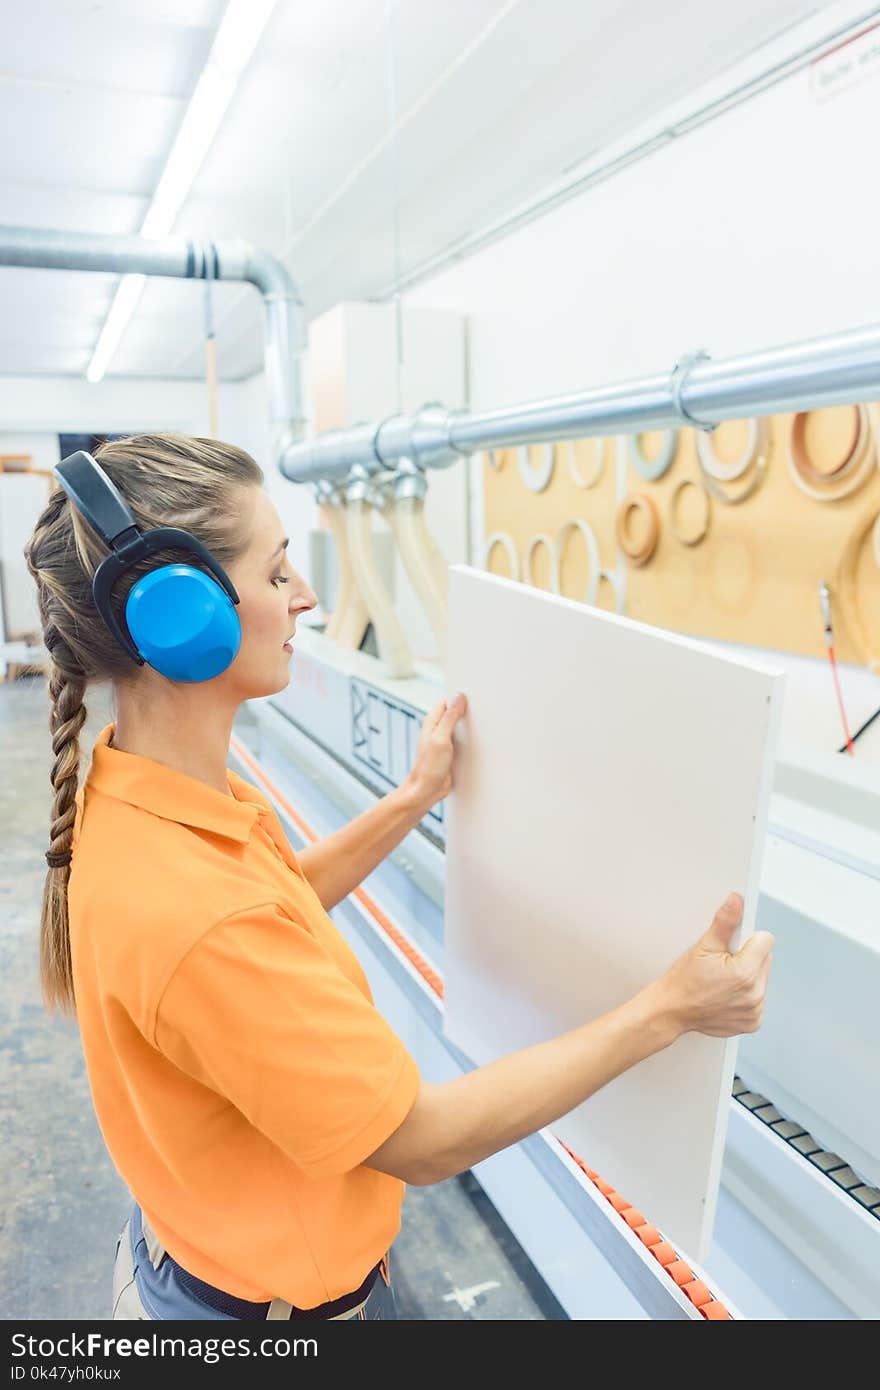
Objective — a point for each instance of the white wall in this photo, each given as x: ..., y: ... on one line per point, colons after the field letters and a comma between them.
x: 757, y: 229
x: 62, y: 404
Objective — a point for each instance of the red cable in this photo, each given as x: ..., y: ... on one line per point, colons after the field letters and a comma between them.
x: 833, y: 660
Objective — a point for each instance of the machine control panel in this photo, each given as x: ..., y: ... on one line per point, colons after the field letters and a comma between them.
x: 384, y: 736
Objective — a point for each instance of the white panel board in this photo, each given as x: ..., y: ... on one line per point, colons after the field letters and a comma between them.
x: 612, y: 784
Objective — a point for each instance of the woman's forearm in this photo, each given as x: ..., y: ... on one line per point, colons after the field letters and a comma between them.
x: 337, y: 864
x: 456, y: 1124
x: 708, y: 990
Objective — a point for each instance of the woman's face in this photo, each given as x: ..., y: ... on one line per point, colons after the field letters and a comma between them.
x: 272, y: 597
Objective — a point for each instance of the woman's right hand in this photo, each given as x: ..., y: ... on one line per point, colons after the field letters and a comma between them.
x: 712, y: 990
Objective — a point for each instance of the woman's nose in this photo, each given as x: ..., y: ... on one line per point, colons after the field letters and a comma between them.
x: 305, y: 599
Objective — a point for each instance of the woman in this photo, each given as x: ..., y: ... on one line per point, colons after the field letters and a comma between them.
x: 262, y: 1112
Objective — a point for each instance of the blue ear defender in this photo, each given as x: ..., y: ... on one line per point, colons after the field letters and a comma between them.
x: 182, y: 623
x: 178, y: 619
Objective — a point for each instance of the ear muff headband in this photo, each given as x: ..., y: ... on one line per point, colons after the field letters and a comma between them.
x: 96, y: 496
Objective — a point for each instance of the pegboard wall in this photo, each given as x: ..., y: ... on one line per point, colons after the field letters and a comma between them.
x: 724, y: 535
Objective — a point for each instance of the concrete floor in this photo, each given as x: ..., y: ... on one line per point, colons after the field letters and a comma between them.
x: 61, y: 1200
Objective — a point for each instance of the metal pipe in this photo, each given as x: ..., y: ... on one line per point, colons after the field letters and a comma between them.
x: 44, y: 249
x: 284, y: 336
x: 840, y: 369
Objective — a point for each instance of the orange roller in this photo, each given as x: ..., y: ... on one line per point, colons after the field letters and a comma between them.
x: 649, y: 1235
x: 619, y: 1203
x: 681, y: 1272
x: 604, y: 1187
x: 697, y: 1292
x: 584, y: 1167
x: 715, y: 1312
x: 633, y: 1218
x: 664, y: 1253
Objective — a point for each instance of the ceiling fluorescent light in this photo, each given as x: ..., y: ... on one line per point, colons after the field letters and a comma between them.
x: 198, y: 128
x: 239, y: 33
x: 240, y: 28
x: 128, y: 292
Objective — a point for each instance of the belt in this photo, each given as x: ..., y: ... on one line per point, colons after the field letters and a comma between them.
x: 245, y: 1311
x: 241, y: 1308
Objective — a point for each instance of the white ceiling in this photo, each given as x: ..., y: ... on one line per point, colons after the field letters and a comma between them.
x: 494, y: 99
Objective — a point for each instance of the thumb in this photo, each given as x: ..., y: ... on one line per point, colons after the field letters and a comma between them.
x: 454, y: 711
x: 757, y: 949
x: 724, y: 924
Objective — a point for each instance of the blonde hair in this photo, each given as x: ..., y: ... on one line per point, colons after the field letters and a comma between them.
x: 167, y: 480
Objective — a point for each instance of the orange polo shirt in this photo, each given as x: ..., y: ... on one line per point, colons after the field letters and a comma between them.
x: 239, y: 1071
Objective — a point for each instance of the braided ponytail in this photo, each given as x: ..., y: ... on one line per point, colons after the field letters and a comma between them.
x: 67, y: 686
x: 66, y: 718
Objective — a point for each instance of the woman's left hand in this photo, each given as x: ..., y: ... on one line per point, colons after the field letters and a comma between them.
x: 430, y: 777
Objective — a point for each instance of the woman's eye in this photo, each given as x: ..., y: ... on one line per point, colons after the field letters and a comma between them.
x: 281, y: 579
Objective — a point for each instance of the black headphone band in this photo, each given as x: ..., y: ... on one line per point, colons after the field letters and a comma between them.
x: 104, y: 507
x: 95, y: 495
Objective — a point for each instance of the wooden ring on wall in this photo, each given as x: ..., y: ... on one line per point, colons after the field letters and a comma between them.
x: 731, y: 497
x: 814, y: 472
x: 652, y: 469
x: 506, y: 542
x: 536, y: 479
x: 756, y: 442
x: 674, y: 526
x: 847, y: 478
x: 531, y: 546
x: 571, y: 454
x: 589, y: 537
x: 640, y: 502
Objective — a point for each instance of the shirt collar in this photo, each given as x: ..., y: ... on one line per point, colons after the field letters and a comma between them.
x: 173, y: 795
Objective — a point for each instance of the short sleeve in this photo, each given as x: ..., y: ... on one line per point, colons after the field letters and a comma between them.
x: 260, y: 1012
